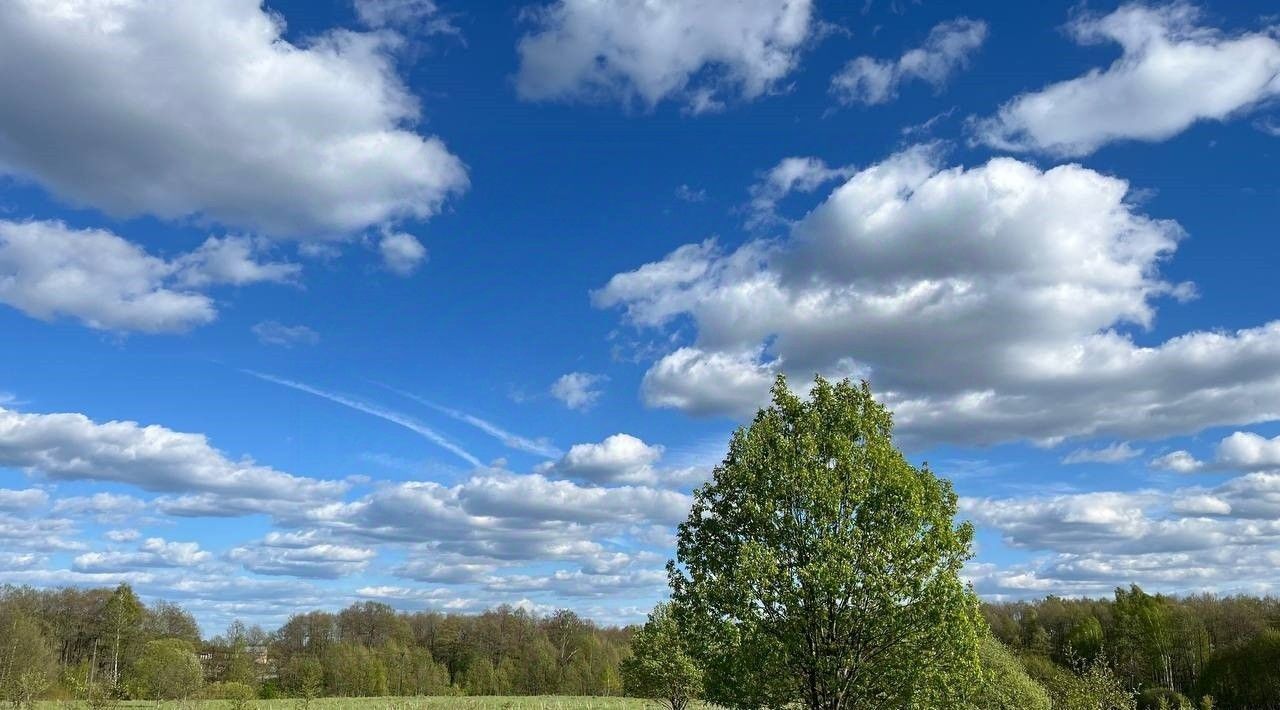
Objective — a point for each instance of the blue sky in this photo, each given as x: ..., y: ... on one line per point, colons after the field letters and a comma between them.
x: 450, y: 305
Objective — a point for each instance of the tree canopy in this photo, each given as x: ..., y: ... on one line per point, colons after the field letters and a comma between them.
x: 819, y: 565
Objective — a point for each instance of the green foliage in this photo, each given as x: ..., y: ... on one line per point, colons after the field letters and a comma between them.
x: 353, y: 670
x: 1093, y: 686
x: 1005, y: 684
x: 239, y: 696
x: 660, y: 666
x: 303, y: 677
x: 26, y: 660
x: 820, y: 566
x: 1246, y: 675
x: 168, y: 669
x: 1085, y: 640
x: 1163, y: 699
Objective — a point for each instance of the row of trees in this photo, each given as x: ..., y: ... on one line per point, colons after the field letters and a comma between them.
x: 106, y: 642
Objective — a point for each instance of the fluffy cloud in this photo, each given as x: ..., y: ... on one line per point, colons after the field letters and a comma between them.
x: 875, y: 81
x: 302, y: 555
x: 699, y: 52
x: 795, y: 174
x: 22, y: 500
x: 181, y: 109
x: 578, y: 390
x: 421, y: 16
x: 272, y: 332
x: 620, y: 458
x: 74, y: 447
x: 402, y: 253
x: 1241, y: 451
x: 1173, y: 72
x: 154, y: 552
x: 49, y: 270
x: 104, y: 507
x: 1185, y: 540
x: 1027, y: 281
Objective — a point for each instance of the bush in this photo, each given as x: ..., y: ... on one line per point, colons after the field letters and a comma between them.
x: 1005, y: 684
x: 239, y: 695
x: 1163, y: 699
x: 167, y: 670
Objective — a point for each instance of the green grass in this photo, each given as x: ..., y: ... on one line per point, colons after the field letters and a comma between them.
x: 537, y: 702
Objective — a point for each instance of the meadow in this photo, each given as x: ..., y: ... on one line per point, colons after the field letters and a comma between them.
x: 491, y: 702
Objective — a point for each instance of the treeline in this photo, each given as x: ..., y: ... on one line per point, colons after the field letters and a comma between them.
x: 1174, y: 651
x: 106, y: 644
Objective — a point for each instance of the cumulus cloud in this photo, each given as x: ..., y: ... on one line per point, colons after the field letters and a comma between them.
x: 154, y: 552
x: 702, y: 53
x: 22, y: 500
x: 49, y: 270
x: 1241, y: 451
x: 795, y: 174
x: 73, y: 447
x: 986, y: 304
x: 1185, y: 540
x: 272, y: 332
x: 578, y: 390
x: 620, y: 458
x: 104, y: 507
x: 204, y: 109
x: 1173, y: 72
x: 875, y: 81
x: 402, y: 253
x: 302, y: 555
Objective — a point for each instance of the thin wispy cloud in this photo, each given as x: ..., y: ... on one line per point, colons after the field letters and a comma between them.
x: 394, y: 417
x: 540, y: 446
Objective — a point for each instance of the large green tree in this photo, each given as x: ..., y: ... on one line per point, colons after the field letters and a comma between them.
x: 168, y: 669
x: 819, y: 566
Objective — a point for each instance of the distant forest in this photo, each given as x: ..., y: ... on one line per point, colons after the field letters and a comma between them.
x: 104, y: 643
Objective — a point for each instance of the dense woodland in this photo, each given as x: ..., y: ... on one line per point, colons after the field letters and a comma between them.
x: 74, y: 643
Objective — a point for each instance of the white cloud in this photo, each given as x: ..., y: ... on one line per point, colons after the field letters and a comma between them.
x: 302, y: 556
x: 49, y: 270
x: 1173, y: 73
x: 620, y: 458
x: 701, y: 53
x: 1240, y: 451
x: 420, y: 16
x: 875, y: 81
x: 1028, y: 281
x: 795, y: 174
x: 272, y: 332
x: 1248, y: 451
x: 402, y: 253
x: 105, y: 507
x: 204, y: 109
x: 578, y: 390
x: 154, y: 552
x: 74, y: 447
x: 230, y: 260
x: 22, y: 500
x: 1187, y: 540
x: 1115, y: 453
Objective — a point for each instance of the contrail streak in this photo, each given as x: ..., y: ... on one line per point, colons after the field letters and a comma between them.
x: 412, y: 425
x: 541, y: 447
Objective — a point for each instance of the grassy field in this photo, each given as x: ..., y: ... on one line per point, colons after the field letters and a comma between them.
x: 537, y: 702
